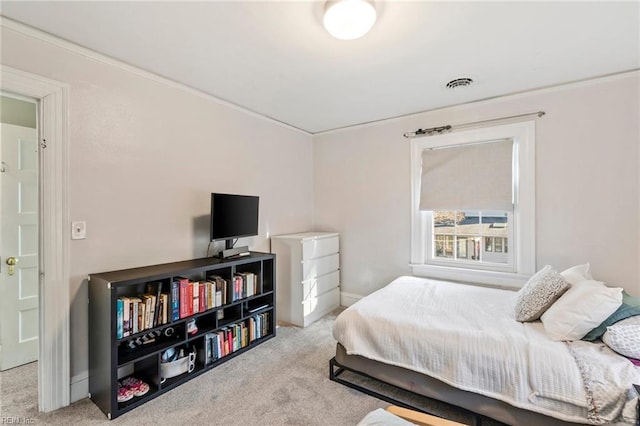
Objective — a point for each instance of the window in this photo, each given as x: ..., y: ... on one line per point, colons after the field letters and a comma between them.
x: 467, y: 229
x: 473, y: 211
x: 488, y: 244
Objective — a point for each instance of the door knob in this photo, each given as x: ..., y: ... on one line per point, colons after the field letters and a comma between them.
x: 11, y: 261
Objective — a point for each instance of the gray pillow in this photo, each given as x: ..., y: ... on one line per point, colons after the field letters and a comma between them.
x: 624, y: 337
x: 539, y: 293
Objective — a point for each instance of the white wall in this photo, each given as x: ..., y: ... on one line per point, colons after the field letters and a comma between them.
x: 587, y: 182
x: 144, y: 158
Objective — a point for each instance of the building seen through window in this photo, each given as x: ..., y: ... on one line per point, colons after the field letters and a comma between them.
x: 480, y: 236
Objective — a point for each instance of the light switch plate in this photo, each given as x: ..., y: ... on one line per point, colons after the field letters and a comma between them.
x: 78, y: 230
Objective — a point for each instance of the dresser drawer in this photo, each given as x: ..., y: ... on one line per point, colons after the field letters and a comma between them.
x: 319, y: 285
x: 315, y: 267
x: 319, y: 247
x: 316, y: 307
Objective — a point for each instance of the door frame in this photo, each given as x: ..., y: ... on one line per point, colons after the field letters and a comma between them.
x: 54, y: 309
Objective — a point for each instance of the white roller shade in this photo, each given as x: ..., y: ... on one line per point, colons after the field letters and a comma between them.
x: 477, y: 177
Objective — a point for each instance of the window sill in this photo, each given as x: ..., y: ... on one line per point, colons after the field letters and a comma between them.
x: 507, y: 280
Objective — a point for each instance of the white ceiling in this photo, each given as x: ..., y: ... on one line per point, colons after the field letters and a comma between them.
x: 275, y: 58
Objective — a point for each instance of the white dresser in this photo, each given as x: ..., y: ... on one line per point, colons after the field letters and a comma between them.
x: 307, y: 276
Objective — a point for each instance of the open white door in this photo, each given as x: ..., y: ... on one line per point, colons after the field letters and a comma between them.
x: 18, y: 246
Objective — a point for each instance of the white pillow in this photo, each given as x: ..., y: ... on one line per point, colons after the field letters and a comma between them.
x: 577, y: 273
x: 624, y: 337
x: 583, y: 307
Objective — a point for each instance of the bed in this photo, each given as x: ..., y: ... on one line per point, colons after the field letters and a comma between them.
x: 461, y: 344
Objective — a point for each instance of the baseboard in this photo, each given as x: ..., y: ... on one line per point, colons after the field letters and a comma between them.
x: 348, y: 299
x: 79, y: 387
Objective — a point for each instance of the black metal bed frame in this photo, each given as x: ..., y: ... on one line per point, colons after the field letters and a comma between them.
x: 336, y: 369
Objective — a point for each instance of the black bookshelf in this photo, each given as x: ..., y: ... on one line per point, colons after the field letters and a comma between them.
x: 112, y: 358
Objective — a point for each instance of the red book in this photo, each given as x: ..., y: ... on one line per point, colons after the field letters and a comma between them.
x: 184, y: 306
x: 202, y: 288
x: 189, y: 299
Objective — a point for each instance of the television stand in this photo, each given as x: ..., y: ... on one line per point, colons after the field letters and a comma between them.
x: 238, y: 251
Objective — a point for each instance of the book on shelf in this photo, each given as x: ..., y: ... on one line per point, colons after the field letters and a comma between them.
x: 210, y: 293
x: 219, y: 345
x: 244, y: 285
x: 175, y: 300
x: 205, y: 298
x: 135, y: 315
x: 210, y: 351
x: 244, y: 338
x: 265, y: 324
x: 218, y: 301
x: 235, y: 344
x: 241, y: 290
x: 258, y: 326
x: 157, y: 311
x: 249, y: 282
x: 165, y: 308
x: 142, y: 312
x: 214, y: 346
x: 119, y: 317
x: 160, y: 309
x: 213, y: 294
x: 195, y: 297
x: 150, y: 307
x: 213, y: 342
x: 204, y: 353
x: 189, y: 299
x: 184, y: 305
x: 222, y: 335
x: 221, y: 287
x: 231, y: 290
x: 239, y: 286
x: 126, y: 317
x: 223, y: 291
x: 154, y: 290
x: 229, y: 340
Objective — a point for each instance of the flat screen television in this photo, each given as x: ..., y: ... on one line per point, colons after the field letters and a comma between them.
x: 233, y: 216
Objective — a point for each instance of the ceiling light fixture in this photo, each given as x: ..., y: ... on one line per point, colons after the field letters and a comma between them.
x: 349, y: 19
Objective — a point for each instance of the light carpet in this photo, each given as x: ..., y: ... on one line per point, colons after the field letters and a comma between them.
x: 281, y: 382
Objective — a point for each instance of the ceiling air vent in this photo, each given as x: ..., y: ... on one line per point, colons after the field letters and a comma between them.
x: 459, y: 82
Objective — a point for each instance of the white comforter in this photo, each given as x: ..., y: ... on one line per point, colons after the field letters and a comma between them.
x: 467, y: 336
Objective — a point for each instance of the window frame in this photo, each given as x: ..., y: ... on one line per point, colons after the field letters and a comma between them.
x: 522, y: 247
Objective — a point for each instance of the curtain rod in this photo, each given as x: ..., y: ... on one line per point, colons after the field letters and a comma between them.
x: 448, y: 128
